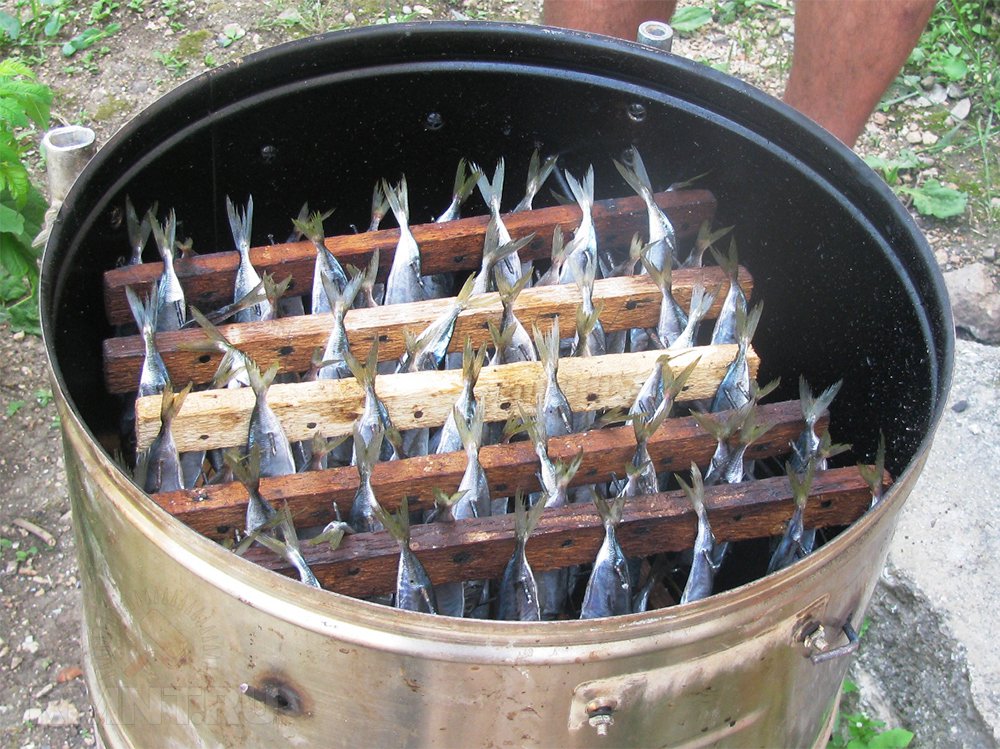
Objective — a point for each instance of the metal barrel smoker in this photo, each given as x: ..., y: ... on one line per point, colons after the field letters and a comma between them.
x: 190, y: 645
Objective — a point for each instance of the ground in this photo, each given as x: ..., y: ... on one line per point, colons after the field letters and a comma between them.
x: 161, y: 42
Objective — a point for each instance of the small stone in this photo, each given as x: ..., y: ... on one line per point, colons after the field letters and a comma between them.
x: 990, y: 254
x: 928, y: 138
x: 59, y: 713
x: 350, y: 18
x: 960, y: 406
x: 29, y: 645
x: 914, y: 136
x: 928, y: 82
x: 879, y: 118
x: 32, y: 714
x: 975, y: 429
x: 938, y: 94
x: 961, y: 110
x: 975, y: 302
x: 18, y: 336
x: 955, y: 91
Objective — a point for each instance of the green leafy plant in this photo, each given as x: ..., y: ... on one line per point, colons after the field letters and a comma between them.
x: 24, y: 104
x: 934, y: 199
x: 88, y: 38
x: 32, y: 22
x: 14, y: 406
x: 857, y: 731
x: 689, y: 18
x: 890, y: 168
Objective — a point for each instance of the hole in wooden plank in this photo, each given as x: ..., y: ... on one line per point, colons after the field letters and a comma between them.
x: 591, y: 397
x: 826, y: 504
x: 631, y: 304
x: 567, y: 543
x: 286, y: 351
x: 418, y: 414
x: 203, y: 437
x: 505, y: 406
x: 223, y: 529
x: 461, y: 557
x: 383, y: 338
x: 311, y: 425
x: 352, y: 571
x: 737, y: 517
x: 204, y: 359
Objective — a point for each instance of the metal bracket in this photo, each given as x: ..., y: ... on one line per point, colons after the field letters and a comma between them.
x: 817, y: 641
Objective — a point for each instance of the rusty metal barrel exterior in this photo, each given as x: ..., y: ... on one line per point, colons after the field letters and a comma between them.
x: 190, y: 645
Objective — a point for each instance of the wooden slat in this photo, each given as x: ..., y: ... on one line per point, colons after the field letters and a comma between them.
x: 216, y: 510
x: 365, y: 564
x: 220, y: 418
x: 208, y: 279
x: 627, y: 303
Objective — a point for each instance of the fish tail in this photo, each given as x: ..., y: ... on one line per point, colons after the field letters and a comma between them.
x: 701, y: 301
x: 801, y: 483
x: 586, y: 322
x: 472, y: 362
x: 240, y: 223
x: 746, y: 324
x: 663, y: 278
x: 501, y: 338
x: 565, y: 471
x: 145, y: 311
x: 465, y: 184
x: 673, y: 384
x: 509, y: 293
x: 696, y: 491
x: 548, y: 346
x: 260, y: 381
x: 368, y: 452
x: 465, y: 293
x: 730, y: 263
x: 872, y: 475
x: 813, y: 407
x: 398, y: 523
x: 398, y: 201
x: 312, y: 226
x: 164, y: 235
x: 610, y: 510
x: 364, y: 373
x: 471, y: 433
x: 583, y: 191
x: 342, y: 298
x: 371, y: 271
x: 526, y: 517
x: 558, y: 245
x: 379, y: 203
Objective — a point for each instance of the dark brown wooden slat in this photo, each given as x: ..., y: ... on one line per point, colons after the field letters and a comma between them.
x: 627, y: 303
x: 365, y: 564
x: 208, y: 279
x: 216, y: 510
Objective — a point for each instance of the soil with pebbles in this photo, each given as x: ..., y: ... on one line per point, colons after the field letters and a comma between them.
x: 43, y: 699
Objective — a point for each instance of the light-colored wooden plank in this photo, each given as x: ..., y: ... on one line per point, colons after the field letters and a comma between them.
x: 220, y: 418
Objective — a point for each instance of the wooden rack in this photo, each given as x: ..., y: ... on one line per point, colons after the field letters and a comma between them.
x: 365, y: 564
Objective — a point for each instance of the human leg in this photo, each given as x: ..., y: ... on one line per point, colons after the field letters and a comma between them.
x: 619, y: 18
x: 846, y: 56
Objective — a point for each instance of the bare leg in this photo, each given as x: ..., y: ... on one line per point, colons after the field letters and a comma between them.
x: 846, y: 56
x: 619, y: 18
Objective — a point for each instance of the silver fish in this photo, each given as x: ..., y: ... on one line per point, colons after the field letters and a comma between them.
x: 364, y: 517
x: 289, y: 548
x: 615, y: 341
x: 704, y: 241
x: 791, y: 547
x: 701, y: 303
x: 819, y: 459
x: 414, y: 590
x: 339, y: 300
x: 138, y: 231
x: 495, y: 251
x: 154, y: 376
x: 405, y: 283
x: 725, y: 330
x: 171, y: 312
x: 380, y: 206
x: 584, y: 346
x: 734, y: 390
x: 320, y: 448
x: 246, y: 275
x: 450, y: 596
x: 464, y: 185
x: 474, y: 488
x: 449, y: 439
x: 596, y: 341
x: 538, y: 172
x: 368, y: 296
x: 662, y: 237
x: 259, y: 510
x: 265, y: 429
x: 734, y: 431
x: 705, y: 560
x: 327, y: 266
x: 429, y: 349
x: 374, y: 414
x: 557, y: 417
x: 640, y: 473
x: 520, y: 347
x: 872, y: 475
x: 162, y: 462
x: 807, y: 446
x: 584, y: 241
x: 673, y: 319
x: 609, y: 591
x: 558, y: 258
x: 492, y: 192
x: 518, y: 594
x: 232, y: 370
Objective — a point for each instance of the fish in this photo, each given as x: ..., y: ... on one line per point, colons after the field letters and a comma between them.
x: 616, y: 341
x: 339, y: 300
x: 538, y: 172
x: 450, y: 596
x: 171, y: 311
x: 872, y: 475
x: 701, y: 303
x: 558, y: 258
x: 428, y: 350
x: 807, y: 445
x: 368, y: 296
x: 557, y: 417
x: 449, y: 439
x: 819, y: 460
x: 493, y: 253
x: 734, y: 430
x: 706, y: 239
x: 517, y: 596
x: 583, y: 346
x: 327, y: 265
x: 380, y: 206
x: 640, y: 474
x: 414, y: 590
x: 584, y: 241
x: 320, y: 448
x: 609, y: 590
x: 247, y: 471
x: 374, y: 414
x: 596, y: 341
x: 662, y: 237
x: 232, y: 370
x: 154, y: 375
x: 641, y: 598
x: 405, y: 283
x: 273, y: 293
x: 492, y: 191
x: 464, y: 185
x: 726, y: 328
x: 364, y: 517
x: 734, y: 390
x: 673, y: 319
x: 791, y: 547
x: 162, y: 462
x: 265, y: 428
x: 246, y: 275
x: 520, y: 347
x: 706, y: 560
x: 138, y: 231
x: 289, y: 548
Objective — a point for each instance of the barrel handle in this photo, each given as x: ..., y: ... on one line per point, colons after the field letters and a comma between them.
x: 817, y: 641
